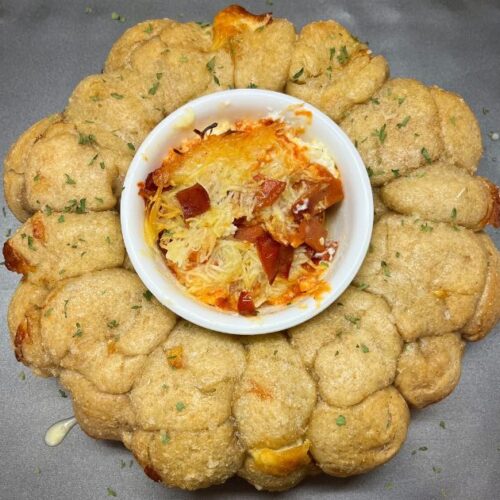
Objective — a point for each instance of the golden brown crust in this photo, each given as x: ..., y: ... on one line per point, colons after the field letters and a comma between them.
x: 234, y: 20
x: 23, y: 319
x: 493, y: 216
x: 14, y: 261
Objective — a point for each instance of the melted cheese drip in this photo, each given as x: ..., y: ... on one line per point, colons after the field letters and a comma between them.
x: 58, y: 431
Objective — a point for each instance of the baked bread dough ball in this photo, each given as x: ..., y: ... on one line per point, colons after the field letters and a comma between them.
x: 362, y: 358
x: 107, y: 108
x: 182, y: 402
x: 189, y: 460
x: 119, y: 55
x: 354, y: 440
x: 15, y: 166
x: 397, y: 131
x: 487, y: 311
x: 63, y: 168
x: 23, y: 319
x: 275, y: 396
x: 272, y: 405
x: 461, y: 133
x: 445, y: 193
x: 100, y: 415
x: 429, y: 369
x: 333, y: 70
x: 188, y: 382
x: 352, y: 347
x: 103, y: 325
x: 48, y: 248
x: 175, y: 65
x: 261, y: 47
x: 431, y: 274
x: 178, y: 73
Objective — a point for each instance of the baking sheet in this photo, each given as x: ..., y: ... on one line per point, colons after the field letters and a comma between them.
x: 47, y: 47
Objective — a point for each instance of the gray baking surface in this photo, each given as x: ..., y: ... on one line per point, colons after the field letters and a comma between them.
x: 48, y: 46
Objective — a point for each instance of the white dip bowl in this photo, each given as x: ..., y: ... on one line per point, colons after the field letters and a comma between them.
x: 350, y: 222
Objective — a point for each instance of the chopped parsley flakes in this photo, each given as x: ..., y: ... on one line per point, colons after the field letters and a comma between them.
x: 164, y: 437
x: 86, y: 139
x: 117, y: 17
x: 426, y: 155
x: 355, y: 320
x: 79, y: 330
x: 381, y: 133
x: 297, y: 75
x: 403, y: 123
x: 341, y: 420
x: 343, y: 56
x: 111, y: 492
x: 69, y: 180
x: 211, y: 65
x: 385, y: 268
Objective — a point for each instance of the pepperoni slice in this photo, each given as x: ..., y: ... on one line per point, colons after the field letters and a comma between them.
x: 285, y: 261
x: 246, y: 306
x: 313, y: 233
x: 269, y: 251
x: 319, y: 197
x: 249, y: 233
x: 325, y: 196
x: 270, y: 191
x: 194, y: 201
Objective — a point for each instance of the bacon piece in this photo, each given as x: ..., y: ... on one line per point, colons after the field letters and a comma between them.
x: 240, y: 221
x: 326, y: 255
x: 313, y: 233
x: 149, y: 187
x: 270, y: 191
x: 319, y: 197
x: 249, y: 233
x: 269, y: 251
x: 325, y: 196
x: 246, y: 306
x: 285, y: 260
x: 194, y: 200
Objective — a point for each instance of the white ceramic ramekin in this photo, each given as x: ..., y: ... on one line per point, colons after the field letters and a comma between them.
x: 350, y: 223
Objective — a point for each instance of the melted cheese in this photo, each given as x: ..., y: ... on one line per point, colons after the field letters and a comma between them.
x: 206, y: 259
